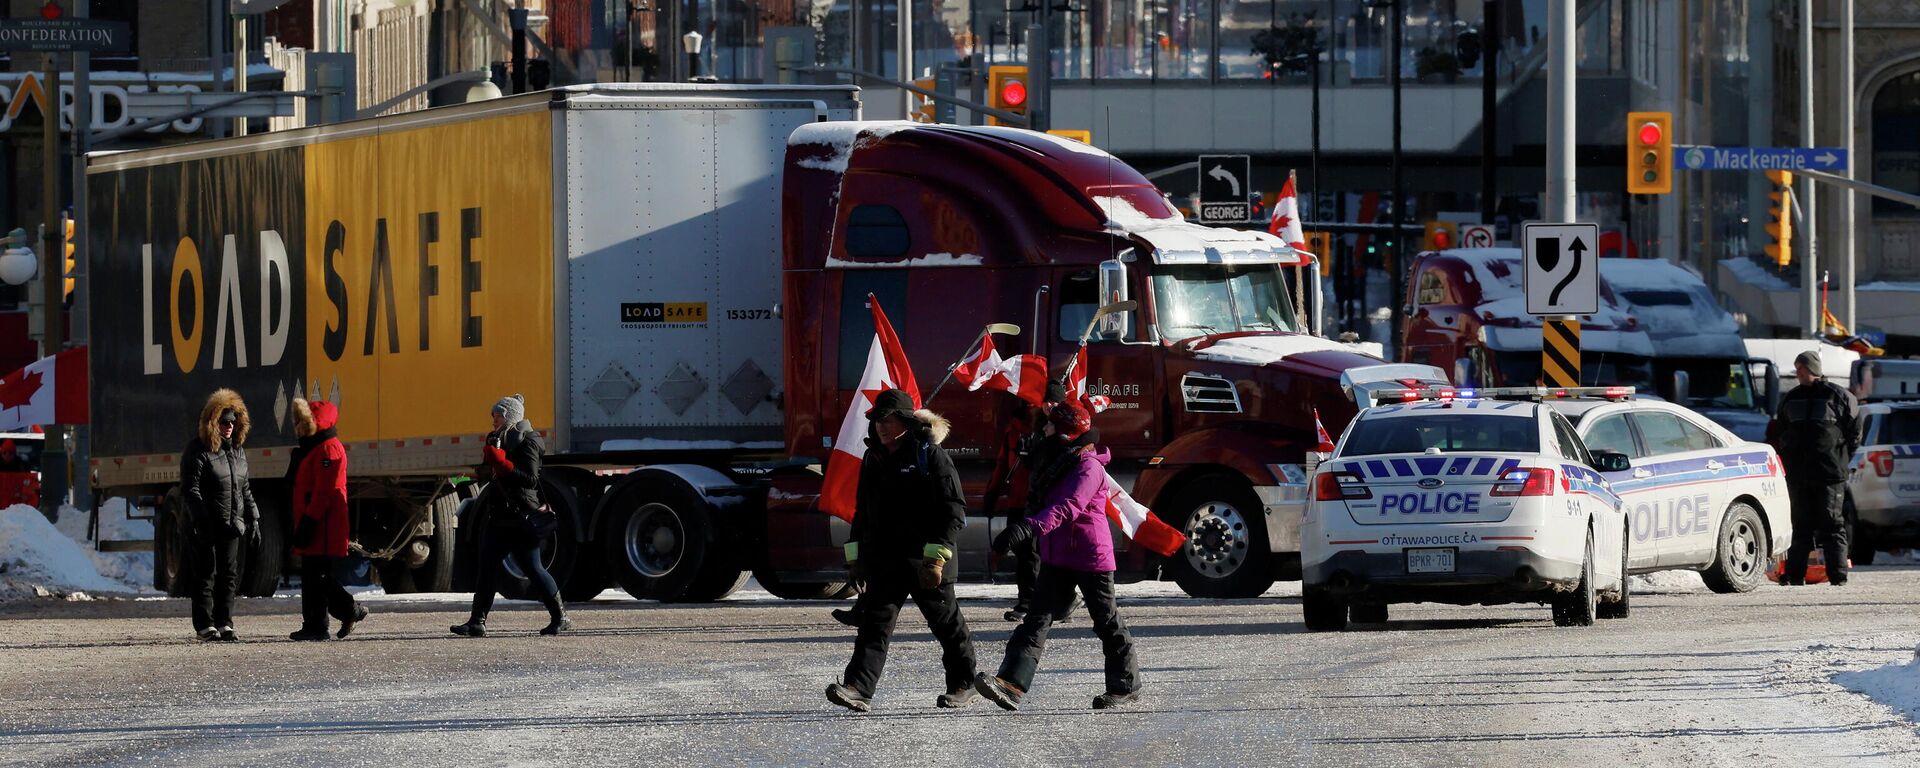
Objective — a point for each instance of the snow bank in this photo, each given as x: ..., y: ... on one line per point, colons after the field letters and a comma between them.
x: 133, y: 569
x: 1667, y: 583
x: 1895, y: 685
x: 38, y: 559
x: 1887, y: 285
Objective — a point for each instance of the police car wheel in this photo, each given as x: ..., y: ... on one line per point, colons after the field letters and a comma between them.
x: 1577, y: 608
x: 1622, y: 606
x: 1740, y: 558
x: 1323, y: 612
x: 1226, y: 553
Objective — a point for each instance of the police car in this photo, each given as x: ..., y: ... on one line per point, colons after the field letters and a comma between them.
x: 1465, y: 497
x: 1697, y: 497
x: 1884, y: 483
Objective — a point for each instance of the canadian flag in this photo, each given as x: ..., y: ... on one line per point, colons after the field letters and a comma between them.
x: 1139, y: 523
x: 53, y: 390
x: 1077, y: 384
x: 887, y: 368
x: 1023, y: 376
x: 1325, y: 441
x: 1286, y: 218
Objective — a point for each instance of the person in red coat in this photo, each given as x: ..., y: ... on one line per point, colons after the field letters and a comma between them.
x: 320, y: 521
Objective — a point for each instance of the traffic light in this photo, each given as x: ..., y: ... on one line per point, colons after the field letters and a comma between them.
x: 1007, y: 90
x: 1780, y: 226
x: 1649, y: 153
x: 1440, y: 236
x: 924, y: 107
x: 67, y: 248
x: 1081, y: 135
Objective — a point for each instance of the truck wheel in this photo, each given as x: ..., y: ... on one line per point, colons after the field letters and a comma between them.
x: 1740, y: 559
x: 1369, y: 613
x: 170, y: 564
x: 1621, y: 607
x: 587, y: 579
x: 1226, y: 551
x: 559, y: 552
x: 261, y: 572
x: 1577, y: 608
x: 800, y: 590
x: 714, y: 584
x: 1323, y: 612
x: 436, y: 574
x: 656, y: 541
x: 466, y: 542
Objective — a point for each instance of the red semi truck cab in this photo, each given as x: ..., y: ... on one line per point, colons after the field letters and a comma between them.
x: 1214, y: 379
x: 1466, y: 313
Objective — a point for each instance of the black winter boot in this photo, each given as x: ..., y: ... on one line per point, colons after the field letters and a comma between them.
x: 1000, y: 692
x: 557, y: 620
x: 1109, y: 700
x: 475, y: 627
x: 308, y: 634
x: 844, y: 695
x: 346, y: 627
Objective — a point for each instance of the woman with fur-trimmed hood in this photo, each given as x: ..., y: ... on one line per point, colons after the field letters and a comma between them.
x: 221, y: 514
x: 907, y: 512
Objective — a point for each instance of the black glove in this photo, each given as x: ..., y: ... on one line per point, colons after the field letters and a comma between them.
x: 857, y: 576
x: 1017, y: 533
x: 304, y: 533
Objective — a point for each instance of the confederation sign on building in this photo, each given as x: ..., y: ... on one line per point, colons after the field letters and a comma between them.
x: 63, y: 35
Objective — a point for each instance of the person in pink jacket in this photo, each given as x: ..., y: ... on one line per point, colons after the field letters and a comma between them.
x: 1067, y: 515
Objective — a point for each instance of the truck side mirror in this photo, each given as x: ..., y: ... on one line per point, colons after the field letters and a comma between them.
x: 1762, y: 370
x: 1680, y: 386
x: 1611, y: 461
x: 1113, y: 290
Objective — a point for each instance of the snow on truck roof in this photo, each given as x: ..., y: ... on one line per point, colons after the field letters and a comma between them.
x: 1502, y: 283
x: 1173, y: 239
x: 1676, y: 308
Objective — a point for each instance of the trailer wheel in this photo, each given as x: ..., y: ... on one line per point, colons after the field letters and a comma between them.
x: 436, y: 574
x: 170, y: 566
x: 1225, y: 555
x: 560, y: 552
x: 264, y: 563
x: 658, y: 541
x: 801, y: 590
x: 587, y: 579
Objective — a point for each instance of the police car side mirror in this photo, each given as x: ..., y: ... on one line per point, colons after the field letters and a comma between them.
x: 1610, y: 461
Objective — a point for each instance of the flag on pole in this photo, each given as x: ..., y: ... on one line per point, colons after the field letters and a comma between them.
x: 52, y: 390
x: 1325, y: 441
x: 1286, y: 218
x: 887, y: 368
x: 1023, y: 376
x: 1139, y: 523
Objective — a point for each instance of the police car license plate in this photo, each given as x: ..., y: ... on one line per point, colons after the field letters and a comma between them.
x: 1430, y: 560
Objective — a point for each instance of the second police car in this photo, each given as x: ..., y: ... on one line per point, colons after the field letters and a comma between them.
x: 1456, y: 498
x: 1697, y: 497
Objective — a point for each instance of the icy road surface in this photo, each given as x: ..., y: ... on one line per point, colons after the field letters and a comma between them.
x: 1692, y: 679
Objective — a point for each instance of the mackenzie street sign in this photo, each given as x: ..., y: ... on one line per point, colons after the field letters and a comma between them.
x: 60, y: 35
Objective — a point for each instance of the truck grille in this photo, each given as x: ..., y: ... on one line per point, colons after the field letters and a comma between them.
x: 1209, y: 394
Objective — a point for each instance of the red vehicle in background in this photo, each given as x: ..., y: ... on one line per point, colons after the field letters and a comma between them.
x: 20, y: 468
x: 1467, y: 314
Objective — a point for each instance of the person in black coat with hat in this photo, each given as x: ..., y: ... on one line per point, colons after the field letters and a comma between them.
x: 907, y: 512
x: 514, y: 521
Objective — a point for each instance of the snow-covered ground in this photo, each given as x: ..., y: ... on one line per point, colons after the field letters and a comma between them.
x: 41, y: 559
x: 1896, y: 685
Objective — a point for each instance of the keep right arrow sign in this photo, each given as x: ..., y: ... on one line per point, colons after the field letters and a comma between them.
x: 1562, y: 270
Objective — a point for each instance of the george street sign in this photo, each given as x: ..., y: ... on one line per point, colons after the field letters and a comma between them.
x: 61, y: 35
x: 1705, y: 158
x: 1224, y: 182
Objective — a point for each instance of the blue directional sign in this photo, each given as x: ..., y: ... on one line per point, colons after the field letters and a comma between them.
x: 1704, y: 158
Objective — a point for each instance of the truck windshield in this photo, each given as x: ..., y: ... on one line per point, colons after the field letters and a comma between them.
x: 1445, y: 431
x: 1710, y: 383
x: 1522, y: 369
x: 1206, y: 299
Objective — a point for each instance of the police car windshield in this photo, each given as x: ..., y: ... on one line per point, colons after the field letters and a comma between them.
x: 1206, y: 299
x: 1900, y: 426
x: 1449, y: 432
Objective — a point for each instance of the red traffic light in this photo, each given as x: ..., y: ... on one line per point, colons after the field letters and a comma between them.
x: 1014, y: 93
x: 51, y: 11
x: 1649, y: 134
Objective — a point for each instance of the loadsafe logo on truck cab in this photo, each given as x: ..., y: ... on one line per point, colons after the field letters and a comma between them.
x: 672, y: 314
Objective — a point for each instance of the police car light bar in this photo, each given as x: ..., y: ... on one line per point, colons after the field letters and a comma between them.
x: 1500, y: 393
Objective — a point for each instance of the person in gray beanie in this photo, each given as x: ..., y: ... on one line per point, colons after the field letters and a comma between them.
x: 1815, y: 433
x: 514, y: 519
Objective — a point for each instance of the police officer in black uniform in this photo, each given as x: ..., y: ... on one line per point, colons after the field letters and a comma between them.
x: 1815, y: 432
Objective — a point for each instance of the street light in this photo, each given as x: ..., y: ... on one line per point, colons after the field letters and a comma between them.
x: 692, y: 42
x: 483, y: 90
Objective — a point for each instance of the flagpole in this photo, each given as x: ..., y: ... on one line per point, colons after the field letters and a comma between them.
x: 972, y: 349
